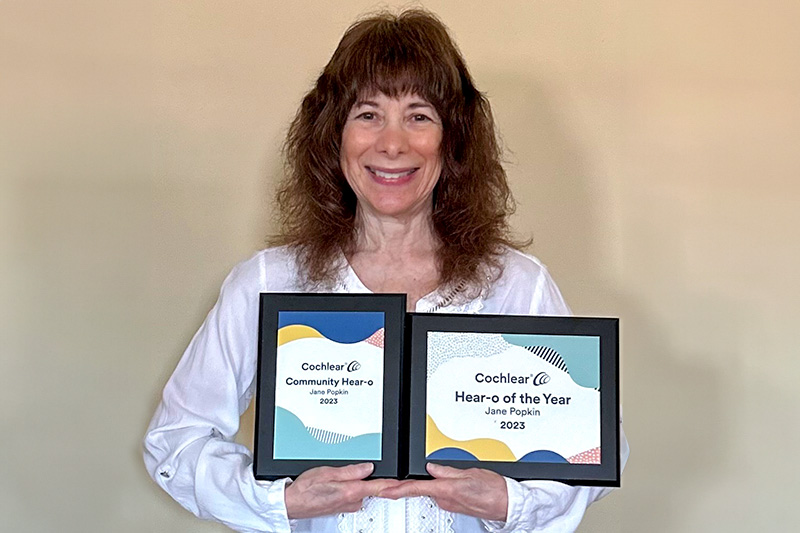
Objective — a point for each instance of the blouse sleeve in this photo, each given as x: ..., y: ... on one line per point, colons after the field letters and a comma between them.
x: 549, y: 506
x: 189, y: 449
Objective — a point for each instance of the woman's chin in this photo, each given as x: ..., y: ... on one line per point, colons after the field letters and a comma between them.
x: 395, y: 209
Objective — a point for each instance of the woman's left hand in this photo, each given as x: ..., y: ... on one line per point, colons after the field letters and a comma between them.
x: 474, y: 491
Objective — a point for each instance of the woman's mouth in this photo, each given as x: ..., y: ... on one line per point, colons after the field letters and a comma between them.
x: 391, y: 175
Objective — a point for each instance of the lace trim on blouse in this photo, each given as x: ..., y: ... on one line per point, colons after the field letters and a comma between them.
x: 421, y: 515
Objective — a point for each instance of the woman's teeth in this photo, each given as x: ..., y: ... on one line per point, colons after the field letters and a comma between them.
x: 392, y: 175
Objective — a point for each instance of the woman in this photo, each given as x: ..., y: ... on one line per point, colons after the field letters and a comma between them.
x: 393, y: 184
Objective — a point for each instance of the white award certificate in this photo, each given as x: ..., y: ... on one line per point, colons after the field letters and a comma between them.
x: 329, y: 385
x: 513, y: 398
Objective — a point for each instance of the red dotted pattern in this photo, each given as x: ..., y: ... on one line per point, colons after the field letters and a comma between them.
x: 589, y: 457
x: 376, y: 339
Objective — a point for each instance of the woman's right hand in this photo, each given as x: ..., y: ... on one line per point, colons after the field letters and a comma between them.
x: 327, y: 490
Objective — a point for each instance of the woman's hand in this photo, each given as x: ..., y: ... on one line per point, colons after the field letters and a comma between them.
x: 475, y: 491
x: 329, y: 490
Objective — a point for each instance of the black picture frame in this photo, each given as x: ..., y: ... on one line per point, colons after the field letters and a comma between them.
x: 393, y: 306
x: 606, y: 473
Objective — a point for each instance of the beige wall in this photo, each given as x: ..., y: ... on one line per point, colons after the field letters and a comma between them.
x: 654, y: 150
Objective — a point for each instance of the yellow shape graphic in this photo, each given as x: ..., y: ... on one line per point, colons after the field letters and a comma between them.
x: 296, y: 331
x: 483, y: 449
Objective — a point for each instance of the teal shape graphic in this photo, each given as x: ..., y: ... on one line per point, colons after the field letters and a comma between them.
x: 581, y: 354
x: 293, y: 441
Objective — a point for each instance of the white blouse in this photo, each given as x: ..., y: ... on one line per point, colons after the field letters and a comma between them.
x: 189, y: 448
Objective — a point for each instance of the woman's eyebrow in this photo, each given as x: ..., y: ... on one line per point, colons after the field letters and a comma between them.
x: 362, y: 103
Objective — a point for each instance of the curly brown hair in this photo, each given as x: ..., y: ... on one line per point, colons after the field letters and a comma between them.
x: 396, y: 54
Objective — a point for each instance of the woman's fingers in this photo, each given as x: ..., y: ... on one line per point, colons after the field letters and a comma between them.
x: 475, y: 492
x: 417, y: 487
x: 373, y: 487
x: 329, y: 490
x: 444, y: 472
x: 346, y: 473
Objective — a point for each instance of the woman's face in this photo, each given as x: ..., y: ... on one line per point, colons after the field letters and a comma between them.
x: 390, y: 154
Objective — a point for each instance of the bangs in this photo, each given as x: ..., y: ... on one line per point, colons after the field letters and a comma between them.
x: 398, y: 57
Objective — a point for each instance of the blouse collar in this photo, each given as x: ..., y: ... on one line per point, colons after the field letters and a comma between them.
x: 433, y: 302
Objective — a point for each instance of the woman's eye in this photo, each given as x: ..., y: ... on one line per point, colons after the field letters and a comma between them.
x: 366, y: 115
x: 421, y: 118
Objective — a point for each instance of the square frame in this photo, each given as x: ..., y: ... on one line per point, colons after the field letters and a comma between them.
x: 607, y: 473
x: 265, y: 466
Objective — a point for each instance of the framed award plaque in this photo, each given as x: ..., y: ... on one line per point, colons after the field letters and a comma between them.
x: 329, y: 391
x: 529, y: 397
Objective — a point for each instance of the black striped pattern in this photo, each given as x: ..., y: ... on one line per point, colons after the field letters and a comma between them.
x: 448, y: 298
x: 328, y: 437
x: 552, y: 357
x: 549, y: 355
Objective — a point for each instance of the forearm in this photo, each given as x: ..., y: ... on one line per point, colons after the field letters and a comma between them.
x: 549, y: 506
x: 545, y: 506
x: 211, y: 477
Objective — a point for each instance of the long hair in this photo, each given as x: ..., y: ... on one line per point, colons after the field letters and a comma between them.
x: 407, y: 53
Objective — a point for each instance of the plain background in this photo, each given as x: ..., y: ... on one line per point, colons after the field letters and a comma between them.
x: 654, y: 149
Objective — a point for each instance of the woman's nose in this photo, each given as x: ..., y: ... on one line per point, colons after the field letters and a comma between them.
x: 392, y: 140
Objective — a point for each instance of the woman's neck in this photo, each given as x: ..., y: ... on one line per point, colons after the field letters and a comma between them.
x: 395, y: 236
x: 396, y: 255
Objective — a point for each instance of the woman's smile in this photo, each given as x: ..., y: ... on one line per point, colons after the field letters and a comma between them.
x: 392, y: 177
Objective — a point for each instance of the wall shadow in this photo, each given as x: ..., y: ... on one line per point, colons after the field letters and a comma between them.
x: 674, y: 411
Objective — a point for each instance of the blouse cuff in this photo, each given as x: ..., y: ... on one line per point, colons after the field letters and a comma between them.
x: 519, y: 505
x: 273, y: 504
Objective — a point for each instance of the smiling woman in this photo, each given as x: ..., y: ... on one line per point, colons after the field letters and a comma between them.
x: 393, y: 183
x: 408, y: 61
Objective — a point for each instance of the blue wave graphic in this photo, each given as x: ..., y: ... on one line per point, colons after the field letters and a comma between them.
x: 457, y: 454
x: 293, y: 441
x: 451, y: 454
x: 542, y: 456
x: 340, y: 326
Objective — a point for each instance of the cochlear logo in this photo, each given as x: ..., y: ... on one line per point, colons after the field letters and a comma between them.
x: 540, y: 379
x: 353, y: 366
